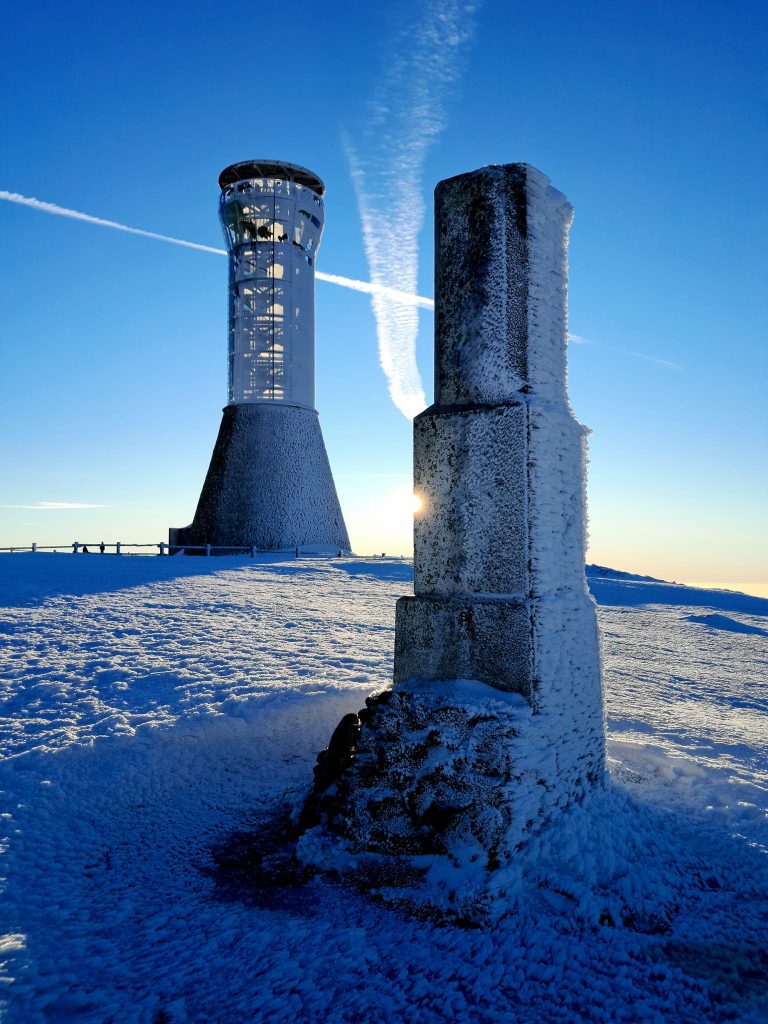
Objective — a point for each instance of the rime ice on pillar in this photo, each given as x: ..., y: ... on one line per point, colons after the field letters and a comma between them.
x: 269, y: 484
x: 499, y: 460
x: 495, y: 721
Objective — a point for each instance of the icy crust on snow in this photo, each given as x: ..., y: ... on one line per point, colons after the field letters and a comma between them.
x: 155, y: 706
x: 109, y: 646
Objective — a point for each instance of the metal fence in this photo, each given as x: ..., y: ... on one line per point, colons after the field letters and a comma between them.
x: 163, y: 548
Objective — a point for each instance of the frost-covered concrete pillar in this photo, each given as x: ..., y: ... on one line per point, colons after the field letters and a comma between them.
x: 499, y: 460
x: 495, y: 721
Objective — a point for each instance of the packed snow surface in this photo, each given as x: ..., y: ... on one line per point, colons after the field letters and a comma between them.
x: 155, y: 707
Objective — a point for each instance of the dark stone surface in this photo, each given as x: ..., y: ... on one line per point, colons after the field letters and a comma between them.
x: 337, y: 757
x: 401, y: 798
x: 464, y: 777
x: 489, y: 640
x: 269, y: 484
x: 474, y: 541
x: 481, y: 285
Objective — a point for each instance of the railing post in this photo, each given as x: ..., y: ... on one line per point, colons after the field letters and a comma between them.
x: 253, y: 551
x: 75, y: 546
x: 117, y: 548
x: 162, y: 548
x: 207, y: 550
x: 298, y: 552
x: 34, y: 545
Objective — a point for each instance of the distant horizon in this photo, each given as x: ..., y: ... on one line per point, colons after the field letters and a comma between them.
x: 754, y: 588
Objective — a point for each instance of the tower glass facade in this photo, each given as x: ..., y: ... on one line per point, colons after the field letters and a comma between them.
x: 273, y: 216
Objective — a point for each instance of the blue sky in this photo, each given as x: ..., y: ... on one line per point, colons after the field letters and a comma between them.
x: 650, y: 116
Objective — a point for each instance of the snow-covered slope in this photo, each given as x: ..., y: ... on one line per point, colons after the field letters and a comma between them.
x: 155, y: 707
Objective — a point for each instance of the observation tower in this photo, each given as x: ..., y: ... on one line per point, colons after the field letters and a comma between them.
x: 269, y: 484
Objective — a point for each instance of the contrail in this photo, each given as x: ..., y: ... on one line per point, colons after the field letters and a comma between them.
x: 62, y: 211
x: 390, y: 294
x: 56, y: 506
x: 577, y: 339
x: 652, y: 359
x: 393, y: 295
x: 395, y: 321
x: 406, y: 115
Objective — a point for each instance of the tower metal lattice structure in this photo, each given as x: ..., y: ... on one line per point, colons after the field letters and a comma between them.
x: 273, y: 216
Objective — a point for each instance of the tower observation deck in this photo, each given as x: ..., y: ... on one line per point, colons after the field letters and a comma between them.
x: 273, y: 216
x: 269, y: 484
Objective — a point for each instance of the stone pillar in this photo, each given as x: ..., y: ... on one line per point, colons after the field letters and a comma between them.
x: 495, y: 722
x: 499, y: 460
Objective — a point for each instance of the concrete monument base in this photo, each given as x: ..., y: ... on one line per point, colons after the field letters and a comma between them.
x: 495, y: 723
x: 432, y: 793
x: 269, y: 484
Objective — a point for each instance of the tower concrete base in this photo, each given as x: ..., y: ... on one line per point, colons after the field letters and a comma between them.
x: 269, y: 485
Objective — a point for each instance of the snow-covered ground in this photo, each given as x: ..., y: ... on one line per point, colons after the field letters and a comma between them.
x: 155, y: 707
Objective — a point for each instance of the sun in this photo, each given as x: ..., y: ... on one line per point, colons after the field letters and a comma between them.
x: 418, y: 503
